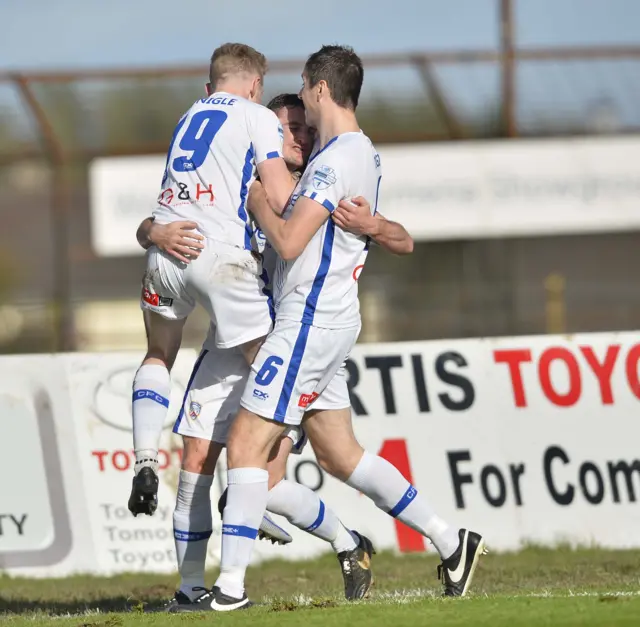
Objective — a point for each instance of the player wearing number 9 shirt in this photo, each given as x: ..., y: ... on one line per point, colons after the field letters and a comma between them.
x: 218, y: 147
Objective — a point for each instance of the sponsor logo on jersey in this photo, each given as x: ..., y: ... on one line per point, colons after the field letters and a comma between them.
x: 260, y: 395
x: 324, y: 177
x: 307, y: 399
x: 155, y: 300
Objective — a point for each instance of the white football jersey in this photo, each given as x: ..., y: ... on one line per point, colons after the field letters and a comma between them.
x: 320, y: 287
x: 211, y: 163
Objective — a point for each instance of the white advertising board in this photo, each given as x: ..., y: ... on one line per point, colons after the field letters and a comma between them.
x: 461, y: 190
x: 525, y: 439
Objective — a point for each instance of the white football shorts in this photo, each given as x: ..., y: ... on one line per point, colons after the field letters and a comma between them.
x: 212, y: 398
x: 229, y: 282
x: 298, y: 368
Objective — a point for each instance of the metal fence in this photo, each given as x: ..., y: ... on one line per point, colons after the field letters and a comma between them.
x: 52, y: 125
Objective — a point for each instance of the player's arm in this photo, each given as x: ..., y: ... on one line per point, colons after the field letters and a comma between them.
x: 178, y: 239
x: 355, y: 216
x: 266, y: 139
x: 288, y: 237
x: 277, y: 183
x: 142, y: 234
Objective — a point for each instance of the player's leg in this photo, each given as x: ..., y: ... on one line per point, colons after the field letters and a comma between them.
x: 250, y: 442
x: 209, y: 405
x: 303, y: 508
x: 210, y: 400
x: 300, y: 505
x: 192, y: 523
x: 339, y: 453
x: 295, y: 364
x: 165, y: 309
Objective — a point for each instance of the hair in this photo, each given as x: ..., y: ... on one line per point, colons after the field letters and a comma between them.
x: 231, y: 59
x: 342, y: 70
x: 284, y: 100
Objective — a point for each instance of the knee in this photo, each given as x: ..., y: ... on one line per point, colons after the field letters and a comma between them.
x: 197, y: 463
x: 276, y: 475
x: 250, y: 441
x: 200, y: 456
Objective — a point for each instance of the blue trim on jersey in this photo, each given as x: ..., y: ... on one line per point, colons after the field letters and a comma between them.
x: 273, y: 155
x: 247, y: 173
x: 292, y: 373
x: 139, y: 395
x: 307, y: 321
x: 375, y: 210
x: 331, y: 141
x: 402, y: 504
x: 268, y: 293
x: 318, y: 521
x: 321, y: 275
x: 327, y: 204
x: 239, y: 531
x: 375, y: 207
x: 186, y: 392
x: 191, y: 536
x: 313, y: 194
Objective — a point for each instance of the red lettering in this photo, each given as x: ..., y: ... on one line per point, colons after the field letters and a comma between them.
x: 395, y: 452
x: 544, y: 372
x: 513, y: 358
x: 632, y: 370
x: 120, y: 465
x: 602, y: 370
x: 179, y: 452
x: 100, y: 455
x: 357, y: 271
x: 202, y: 190
x: 166, y: 196
x: 307, y: 399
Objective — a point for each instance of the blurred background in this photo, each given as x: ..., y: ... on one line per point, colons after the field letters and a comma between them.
x: 81, y: 81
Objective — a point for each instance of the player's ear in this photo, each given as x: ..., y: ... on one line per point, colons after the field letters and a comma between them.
x: 208, y: 89
x: 323, y: 89
x: 256, y: 90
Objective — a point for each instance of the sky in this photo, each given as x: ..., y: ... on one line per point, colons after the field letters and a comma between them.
x: 68, y: 34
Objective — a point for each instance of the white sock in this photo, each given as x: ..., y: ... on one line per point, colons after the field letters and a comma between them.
x: 192, y: 529
x: 303, y: 508
x: 383, y: 483
x: 246, y: 504
x: 151, y: 391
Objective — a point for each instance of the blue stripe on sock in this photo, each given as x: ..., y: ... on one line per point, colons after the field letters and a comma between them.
x: 402, y: 504
x: 318, y: 521
x: 191, y: 536
x: 139, y: 395
x: 239, y: 531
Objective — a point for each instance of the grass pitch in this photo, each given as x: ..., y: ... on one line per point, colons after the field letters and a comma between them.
x: 533, y: 587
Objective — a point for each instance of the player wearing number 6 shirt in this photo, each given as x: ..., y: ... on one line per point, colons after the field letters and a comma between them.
x: 317, y: 324
x: 217, y: 148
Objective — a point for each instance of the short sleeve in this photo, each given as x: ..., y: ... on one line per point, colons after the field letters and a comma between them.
x: 266, y: 133
x: 324, y: 180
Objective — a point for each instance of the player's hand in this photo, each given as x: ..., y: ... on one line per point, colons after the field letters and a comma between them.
x: 178, y: 239
x: 355, y: 216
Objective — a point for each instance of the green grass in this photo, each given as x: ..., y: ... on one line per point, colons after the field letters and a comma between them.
x: 533, y: 587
